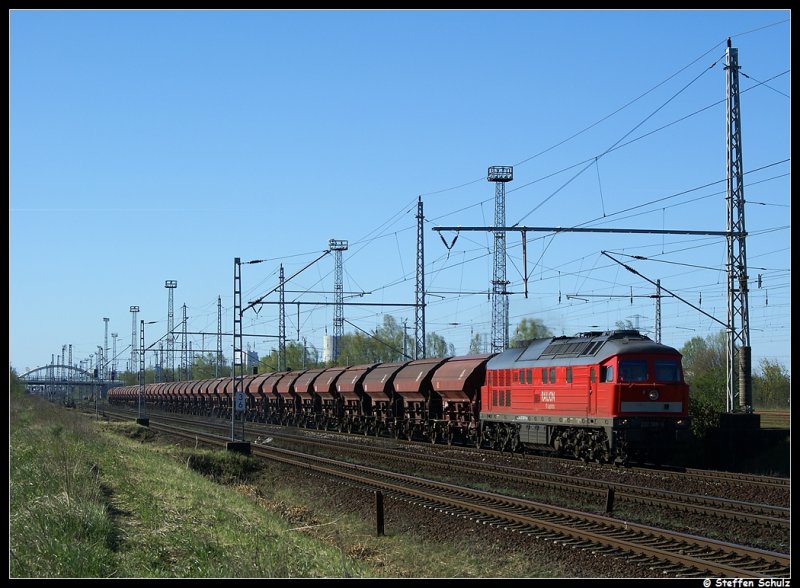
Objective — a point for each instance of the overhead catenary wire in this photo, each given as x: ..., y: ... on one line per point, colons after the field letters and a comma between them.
x: 377, y: 234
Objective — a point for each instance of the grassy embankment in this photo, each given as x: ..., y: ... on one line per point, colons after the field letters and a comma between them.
x: 94, y: 499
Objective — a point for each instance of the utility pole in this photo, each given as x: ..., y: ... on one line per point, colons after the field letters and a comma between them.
x: 134, y: 343
x: 97, y: 391
x: 658, y: 311
x: 160, y: 363
x: 405, y: 336
x: 103, y: 375
x: 114, y: 356
x: 184, y: 349
x: 99, y: 365
x: 142, y: 419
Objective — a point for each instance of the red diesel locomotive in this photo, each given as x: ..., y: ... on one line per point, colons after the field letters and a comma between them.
x: 612, y: 396
x: 597, y: 396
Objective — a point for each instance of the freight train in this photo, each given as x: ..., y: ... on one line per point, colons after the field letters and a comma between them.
x: 612, y: 396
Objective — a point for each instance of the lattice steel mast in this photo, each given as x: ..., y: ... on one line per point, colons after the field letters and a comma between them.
x: 738, y: 312
x: 170, y: 285
x: 113, y: 355
x: 500, y: 175
x: 184, y: 349
x: 103, y: 375
x: 337, y: 246
x: 218, y: 364
x: 134, y: 343
x: 281, y: 322
x: 419, y: 309
x: 237, y: 368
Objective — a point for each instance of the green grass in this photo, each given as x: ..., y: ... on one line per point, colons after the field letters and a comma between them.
x: 58, y: 514
x: 87, y: 502
x: 93, y: 499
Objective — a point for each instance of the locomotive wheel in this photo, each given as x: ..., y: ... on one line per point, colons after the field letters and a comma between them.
x: 506, y: 439
x: 621, y: 456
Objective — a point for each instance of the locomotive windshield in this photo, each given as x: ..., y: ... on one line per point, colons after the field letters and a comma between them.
x: 667, y: 370
x: 633, y: 370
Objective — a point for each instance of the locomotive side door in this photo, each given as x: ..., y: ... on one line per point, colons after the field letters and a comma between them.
x: 591, y: 401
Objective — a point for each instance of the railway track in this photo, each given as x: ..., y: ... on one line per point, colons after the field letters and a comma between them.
x: 764, y: 514
x: 676, y: 554
x: 587, y: 492
x: 769, y: 514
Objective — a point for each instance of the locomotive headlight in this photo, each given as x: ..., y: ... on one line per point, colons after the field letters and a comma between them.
x: 653, y: 395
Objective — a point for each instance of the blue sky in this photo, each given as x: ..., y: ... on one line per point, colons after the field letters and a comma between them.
x: 159, y: 145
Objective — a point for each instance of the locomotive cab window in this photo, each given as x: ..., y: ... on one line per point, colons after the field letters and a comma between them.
x: 633, y: 370
x: 552, y: 375
x: 569, y: 375
x: 667, y: 370
x: 607, y: 373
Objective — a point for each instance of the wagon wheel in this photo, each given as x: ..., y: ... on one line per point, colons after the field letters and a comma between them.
x: 474, y: 436
x: 433, y: 434
x: 448, y: 435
